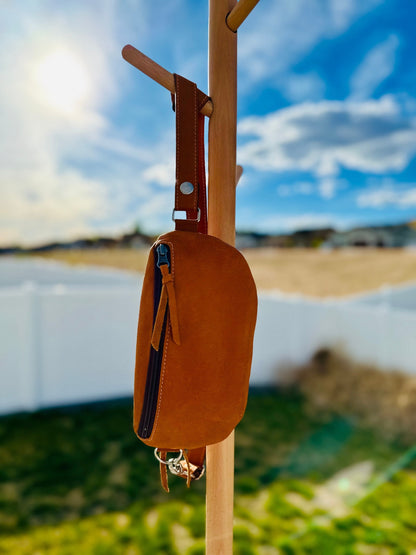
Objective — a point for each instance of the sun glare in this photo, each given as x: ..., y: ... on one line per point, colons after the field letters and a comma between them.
x: 63, y: 81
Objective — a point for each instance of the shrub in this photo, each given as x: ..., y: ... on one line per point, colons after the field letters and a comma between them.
x: 196, y: 522
x: 385, y: 401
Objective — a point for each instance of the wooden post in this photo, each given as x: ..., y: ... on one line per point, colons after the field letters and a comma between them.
x: 221, y: 223
x: 225, y: 16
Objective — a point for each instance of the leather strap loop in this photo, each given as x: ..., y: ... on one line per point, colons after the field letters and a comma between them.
x: 164, y: 472
x: 197, y: 456
x: 190, y: 163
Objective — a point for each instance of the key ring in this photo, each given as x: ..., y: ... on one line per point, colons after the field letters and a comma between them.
x: 173, y: 463
x: 170, y: 461
x: 176, y: 468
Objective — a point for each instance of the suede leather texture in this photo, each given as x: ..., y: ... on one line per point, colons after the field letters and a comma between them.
x: 203, y: 385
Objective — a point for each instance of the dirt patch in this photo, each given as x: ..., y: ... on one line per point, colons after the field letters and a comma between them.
x: 310, y: 272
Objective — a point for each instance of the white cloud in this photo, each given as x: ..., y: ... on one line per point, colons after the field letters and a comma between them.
x: 321, y: 138
x: 328, y: 187
x: 377, y: 65
x: 155, y: 212
x: 284, y: 191
x: 50, y: 204
x: 304, y: 188
x: 388, y: 193
x: 162, y: 173
x: 299, y: 188
x: 65, y: 169
x: 279, y: 34
x: 300, y: 87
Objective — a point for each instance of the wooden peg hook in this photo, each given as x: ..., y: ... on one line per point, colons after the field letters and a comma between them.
x: 156, y: 72
x: 239, y: 13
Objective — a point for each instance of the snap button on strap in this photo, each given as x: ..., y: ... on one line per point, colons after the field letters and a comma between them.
x: 186, y: 188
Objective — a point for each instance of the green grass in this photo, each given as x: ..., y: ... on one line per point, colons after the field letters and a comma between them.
x: 78, y: 480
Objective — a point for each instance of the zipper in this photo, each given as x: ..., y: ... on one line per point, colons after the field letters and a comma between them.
x: 156, y: 356
x: 163, y: 255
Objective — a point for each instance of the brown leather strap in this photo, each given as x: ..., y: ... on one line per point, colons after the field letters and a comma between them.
x: 190, y: 168
x: 190, y: 164
x: 197, y: 456
x: 202, y: 189
x: 192, y: 465
x: 164, y: 472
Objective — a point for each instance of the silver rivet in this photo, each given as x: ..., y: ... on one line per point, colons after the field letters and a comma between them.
x: 186, y: 188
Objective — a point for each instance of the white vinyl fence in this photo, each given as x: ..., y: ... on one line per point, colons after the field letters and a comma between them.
x: 290, y: 330
x: 66, y: 346
x: 66, y: 343
x: 74, y: 341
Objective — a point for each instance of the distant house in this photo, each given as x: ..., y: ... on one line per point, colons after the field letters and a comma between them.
x: 302, y: 238
x: 105, y: 243
x: 49, y: 247
x: 394, y: 236
x: 135, y: 240
x: 249, y: 239
x: 311, y: 237
x: 96, y: 243
x: 278, y: 241
x: 10, y: 250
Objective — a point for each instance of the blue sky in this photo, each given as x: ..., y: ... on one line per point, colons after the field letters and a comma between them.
x: 326, y: 114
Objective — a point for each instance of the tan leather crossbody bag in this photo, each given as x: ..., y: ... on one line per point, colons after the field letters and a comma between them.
x: 197, y: 317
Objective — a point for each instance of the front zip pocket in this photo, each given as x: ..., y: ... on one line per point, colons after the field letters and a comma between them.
x: 164, y: 308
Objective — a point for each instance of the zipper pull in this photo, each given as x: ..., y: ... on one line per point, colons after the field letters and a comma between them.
x: 167, y: 299
x: 162, y: 255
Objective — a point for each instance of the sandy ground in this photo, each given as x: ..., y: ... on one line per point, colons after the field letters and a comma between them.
x: 308, y: 271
